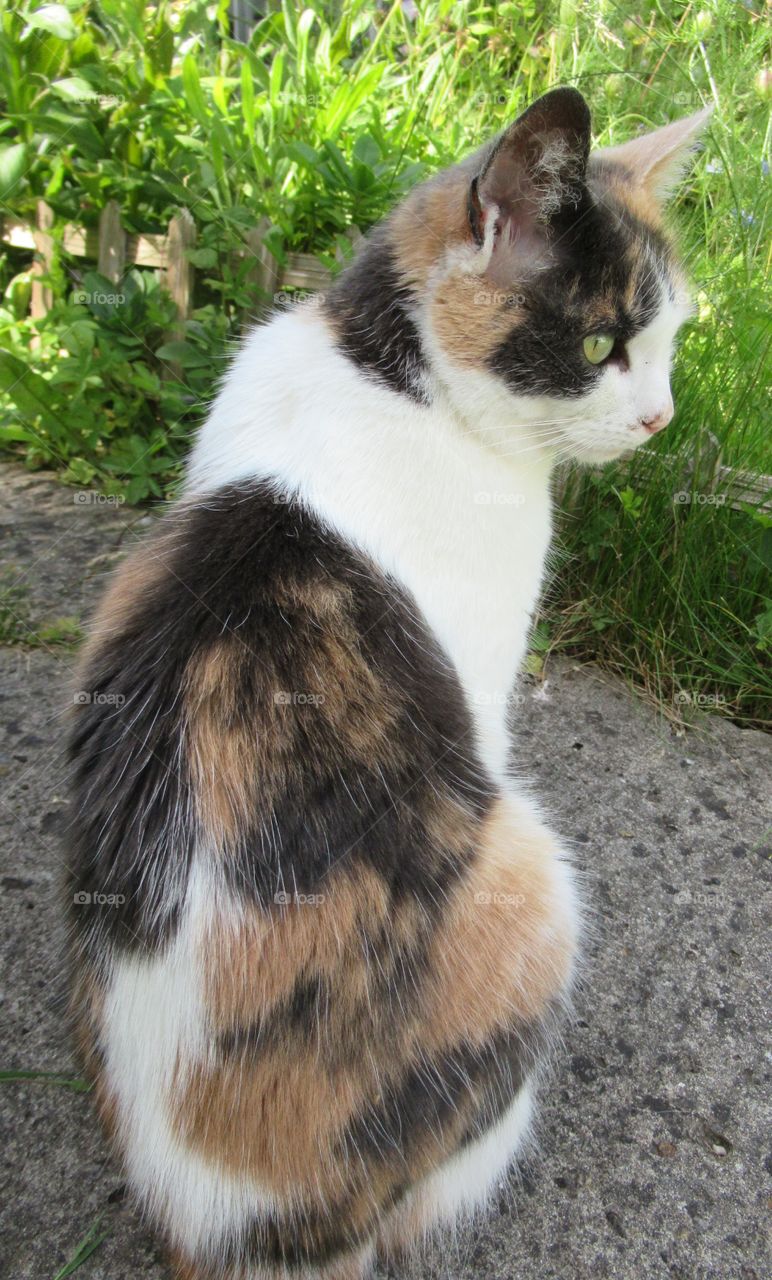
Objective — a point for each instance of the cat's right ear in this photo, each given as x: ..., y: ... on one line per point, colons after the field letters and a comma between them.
x: 534, y: 170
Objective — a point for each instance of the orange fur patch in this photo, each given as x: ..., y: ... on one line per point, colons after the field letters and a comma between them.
x: 471, y: 317
x: 502, y: 949
x: 227, y: 754
x: 432, y: 219
x: 255, y: 962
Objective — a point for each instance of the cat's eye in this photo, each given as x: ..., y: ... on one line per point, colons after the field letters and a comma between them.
x: 598, y: 346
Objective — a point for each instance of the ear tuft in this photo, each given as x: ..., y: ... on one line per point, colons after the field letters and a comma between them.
x: 532, y: 173
x: 537, y: 165
x: 656, y: 161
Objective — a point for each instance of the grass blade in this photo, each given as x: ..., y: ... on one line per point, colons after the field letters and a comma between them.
x: 90, y: 1242
x: 47, y: 1077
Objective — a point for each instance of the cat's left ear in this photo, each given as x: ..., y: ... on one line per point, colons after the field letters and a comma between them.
x: 533, y: 174
x: 656, y: 161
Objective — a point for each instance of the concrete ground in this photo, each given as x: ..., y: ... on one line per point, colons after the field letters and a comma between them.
x: 652, y: 1155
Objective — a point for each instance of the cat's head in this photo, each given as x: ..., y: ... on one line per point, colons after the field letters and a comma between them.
x: 546, y: 292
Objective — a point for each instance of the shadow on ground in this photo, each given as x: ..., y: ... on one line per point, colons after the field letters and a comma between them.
x: 650, y: 1157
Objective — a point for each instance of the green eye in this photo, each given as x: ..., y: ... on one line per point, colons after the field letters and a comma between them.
x: 598, y: 347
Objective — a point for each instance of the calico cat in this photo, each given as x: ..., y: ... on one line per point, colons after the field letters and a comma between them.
x: 321, y: 936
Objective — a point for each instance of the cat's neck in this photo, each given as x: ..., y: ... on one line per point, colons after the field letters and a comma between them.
x: 410, y: 484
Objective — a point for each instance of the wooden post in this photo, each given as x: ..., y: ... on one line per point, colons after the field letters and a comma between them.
x: 263, y: 276
x: 42, y: 298
x: 112, y: 244
x: 179, y: 274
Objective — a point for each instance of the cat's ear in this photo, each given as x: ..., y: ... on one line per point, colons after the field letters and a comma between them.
x: 655, y: 161
x: 534, y: 170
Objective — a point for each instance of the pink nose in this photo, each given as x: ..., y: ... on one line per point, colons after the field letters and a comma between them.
x: 653, y: 425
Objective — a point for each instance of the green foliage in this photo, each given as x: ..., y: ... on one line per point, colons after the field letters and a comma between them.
x: 98, y: 394
x: 320, y: 123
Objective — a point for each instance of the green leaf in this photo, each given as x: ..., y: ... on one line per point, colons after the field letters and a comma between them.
x: 13, y: 165
x: 203, y: 257
x: 367, y: 151
x: 247, y: 96
x: 194, y: 95
x: 275, y: 81
x: 182, y: 353
x: 303, y: 154
x: 73, y: 89
x: 349, y: 96
x: 28, y: 391
x: 53, y: 18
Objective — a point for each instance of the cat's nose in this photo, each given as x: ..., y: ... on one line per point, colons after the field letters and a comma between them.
x: 660, y: 420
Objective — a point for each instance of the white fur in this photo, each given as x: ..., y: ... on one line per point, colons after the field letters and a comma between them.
x: 154, y: 1031
x: 464, y: 1182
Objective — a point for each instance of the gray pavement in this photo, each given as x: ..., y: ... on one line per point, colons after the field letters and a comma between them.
x: 652, y: 1151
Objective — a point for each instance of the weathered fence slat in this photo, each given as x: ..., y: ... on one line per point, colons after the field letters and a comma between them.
x: 42, y: 294
x: 179, y: 273
x: 302, y: 270
x: 265, y: 273
x: 111, y: 262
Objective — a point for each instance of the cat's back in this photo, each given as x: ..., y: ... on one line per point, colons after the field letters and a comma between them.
x: 254, y: 686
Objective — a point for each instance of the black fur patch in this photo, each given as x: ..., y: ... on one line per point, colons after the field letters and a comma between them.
x: 370, y: 310
x: 134, y: 830
x: 597, y: 248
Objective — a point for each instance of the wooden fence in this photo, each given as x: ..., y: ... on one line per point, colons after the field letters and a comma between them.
x: 113, y: 249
